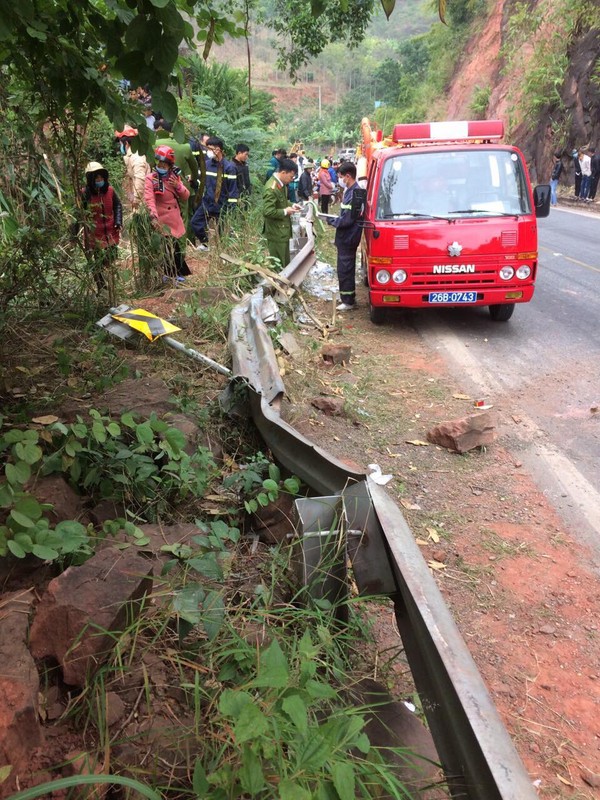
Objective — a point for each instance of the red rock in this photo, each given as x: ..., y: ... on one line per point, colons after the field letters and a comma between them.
x: 115, y: 708
x: 332, y: 406
x: 158, y: 535
x: 83, y: 602
x: 55, y: 489
x: 106, y: 510
x: 19, y: 686
x: 390, y: 725
x: 273, y: 523
x: 591, y: 778
x: 144, y: 396
x: 188, y: 427
x: 336, y: 353
x: 81, y: 763
x: 466, y: 433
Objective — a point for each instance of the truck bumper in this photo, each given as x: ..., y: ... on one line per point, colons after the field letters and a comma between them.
x: 411, y: 298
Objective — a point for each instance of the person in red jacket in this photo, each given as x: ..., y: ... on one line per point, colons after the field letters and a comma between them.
x: 102, y: 229
x: 163, y: 189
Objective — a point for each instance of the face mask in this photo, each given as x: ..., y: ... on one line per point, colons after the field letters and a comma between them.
x: 99, y: 184
x: 162, y: 170
x: 210, y: 154
x: 123, y: 149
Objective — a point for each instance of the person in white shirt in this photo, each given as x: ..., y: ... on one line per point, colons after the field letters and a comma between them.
x: 586, y: 175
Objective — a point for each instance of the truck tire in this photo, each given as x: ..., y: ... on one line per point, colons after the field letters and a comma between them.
x: 376, y: 314
x: 502, y: 312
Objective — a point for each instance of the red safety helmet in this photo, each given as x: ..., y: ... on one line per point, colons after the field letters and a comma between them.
x: 127, y: 131
x: 165, y: 153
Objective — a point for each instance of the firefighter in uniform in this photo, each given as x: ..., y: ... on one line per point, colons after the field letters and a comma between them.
x: 221, y: 192
x: 277, y: 211
x: 347, y: 238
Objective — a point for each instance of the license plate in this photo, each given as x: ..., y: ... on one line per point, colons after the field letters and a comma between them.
x: 452, y: 297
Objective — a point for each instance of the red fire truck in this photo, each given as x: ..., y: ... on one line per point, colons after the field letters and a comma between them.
x: 450, y: 218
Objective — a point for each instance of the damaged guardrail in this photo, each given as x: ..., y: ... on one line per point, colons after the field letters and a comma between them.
x: 476, y: 752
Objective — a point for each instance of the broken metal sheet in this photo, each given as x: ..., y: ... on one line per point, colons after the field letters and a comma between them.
x: 301, y: 263
x: 366, y: 544
x: 270, y: 311
x: 289, y: 344
x: 110, y: 324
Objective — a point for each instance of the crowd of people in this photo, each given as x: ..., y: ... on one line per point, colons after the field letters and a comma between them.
x: 586, y: 172
x: 192, y: 188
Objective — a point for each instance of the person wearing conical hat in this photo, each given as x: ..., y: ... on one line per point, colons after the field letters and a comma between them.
x: 104, y: 219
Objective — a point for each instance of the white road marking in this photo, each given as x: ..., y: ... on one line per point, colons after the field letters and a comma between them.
x: 572, y: 260
x: 571, y: 483
x: 580, y: 493
x: 579, y: 211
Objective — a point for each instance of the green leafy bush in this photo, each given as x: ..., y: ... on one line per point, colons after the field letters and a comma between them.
x: 142, y: 464
x: 282, y: 726
x: 259, y: 483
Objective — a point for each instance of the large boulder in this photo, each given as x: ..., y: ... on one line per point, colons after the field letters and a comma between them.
x: 466, y: 433
x: 83, y: 607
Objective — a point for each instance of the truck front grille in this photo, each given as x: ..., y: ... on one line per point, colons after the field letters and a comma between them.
x: 484, y: 276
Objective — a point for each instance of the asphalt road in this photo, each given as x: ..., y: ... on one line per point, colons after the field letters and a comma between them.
x: 541, y: 370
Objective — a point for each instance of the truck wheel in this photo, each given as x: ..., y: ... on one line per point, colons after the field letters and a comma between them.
x: 376, y: 314
x: 502, y: 311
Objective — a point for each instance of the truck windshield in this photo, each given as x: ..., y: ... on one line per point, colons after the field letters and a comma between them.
x: 461, y: 183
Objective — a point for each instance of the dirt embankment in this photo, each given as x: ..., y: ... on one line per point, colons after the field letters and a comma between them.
x: 571, y: 115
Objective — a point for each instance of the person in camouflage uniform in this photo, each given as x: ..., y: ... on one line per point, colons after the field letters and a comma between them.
x: 277, y: 212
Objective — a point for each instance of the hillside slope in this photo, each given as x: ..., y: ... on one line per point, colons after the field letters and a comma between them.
x: 540, y: 63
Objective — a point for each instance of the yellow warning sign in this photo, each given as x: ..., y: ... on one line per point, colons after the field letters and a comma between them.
x: 145, y: 322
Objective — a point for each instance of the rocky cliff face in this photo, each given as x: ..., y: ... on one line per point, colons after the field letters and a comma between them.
x: 567, y: 115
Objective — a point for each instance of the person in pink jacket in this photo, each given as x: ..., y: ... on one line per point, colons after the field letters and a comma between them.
x: 326, y: 188
x: 163, y: 189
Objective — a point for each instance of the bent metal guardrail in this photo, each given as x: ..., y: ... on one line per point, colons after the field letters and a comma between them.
x: 477, y: 754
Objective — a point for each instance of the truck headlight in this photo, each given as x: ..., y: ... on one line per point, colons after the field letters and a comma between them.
x: 399, y: 276
x: 523, y: 272
x: 382, y: 276
x: 506, y: 273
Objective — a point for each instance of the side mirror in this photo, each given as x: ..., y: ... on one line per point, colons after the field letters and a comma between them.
x: 359, y: 199
x: 541, y: 200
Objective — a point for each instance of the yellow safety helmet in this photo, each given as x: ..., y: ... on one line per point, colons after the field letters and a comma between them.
x: 325, y: 163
